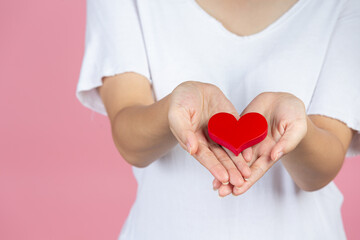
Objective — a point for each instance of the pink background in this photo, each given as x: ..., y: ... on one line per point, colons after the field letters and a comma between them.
x: 60, y: 174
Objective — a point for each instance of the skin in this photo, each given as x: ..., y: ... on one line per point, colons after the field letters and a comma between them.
x: 181, y: 117
x: 246, y: 17
x: 302, y: 140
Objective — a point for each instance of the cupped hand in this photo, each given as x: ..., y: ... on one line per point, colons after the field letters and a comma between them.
x: 287, y: 126
x: 192, y: 105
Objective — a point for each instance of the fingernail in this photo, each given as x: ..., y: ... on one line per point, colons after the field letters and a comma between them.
x: 221, y: 197
x: 214, y: 189
x: 188, y: 147
x: 279, y: 155
x: 225, y: 183
x: 237, y: 187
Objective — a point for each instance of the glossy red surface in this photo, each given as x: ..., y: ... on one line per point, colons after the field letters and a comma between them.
x: 237, y: 135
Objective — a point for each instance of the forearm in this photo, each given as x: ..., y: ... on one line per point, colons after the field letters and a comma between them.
x: 316, y: 160
x: 142, y: 134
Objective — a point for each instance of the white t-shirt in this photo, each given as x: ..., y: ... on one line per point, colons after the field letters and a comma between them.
x: 312, y: 51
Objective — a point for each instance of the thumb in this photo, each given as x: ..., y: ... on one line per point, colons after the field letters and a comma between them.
x: 192, y: 143
x: 288, y: 141
x: 184, y: 131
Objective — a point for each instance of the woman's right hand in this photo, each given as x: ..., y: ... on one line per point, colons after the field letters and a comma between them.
x: 192, y: 105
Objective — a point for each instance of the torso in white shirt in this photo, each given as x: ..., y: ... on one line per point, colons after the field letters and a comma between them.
x: 310, y: 51
x: 175, y: 199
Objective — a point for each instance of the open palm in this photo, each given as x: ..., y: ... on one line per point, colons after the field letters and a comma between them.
x: 287, y: 126
x: 192, y: 105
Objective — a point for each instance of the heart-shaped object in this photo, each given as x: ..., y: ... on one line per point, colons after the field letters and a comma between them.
x: 237, y: 135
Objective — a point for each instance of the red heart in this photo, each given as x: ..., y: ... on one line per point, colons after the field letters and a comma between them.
x: 237, y: 135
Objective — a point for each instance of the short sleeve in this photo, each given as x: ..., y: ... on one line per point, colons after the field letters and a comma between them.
x: 113, y: 44
x: 337, y: 93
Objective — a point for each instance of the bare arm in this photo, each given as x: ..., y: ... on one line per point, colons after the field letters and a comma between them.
x: 140, y: 126
x: 313, y: 147
x: 143, y: 130
x: 319, y: 156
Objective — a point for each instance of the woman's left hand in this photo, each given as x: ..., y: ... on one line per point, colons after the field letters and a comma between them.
x: 287, y: 126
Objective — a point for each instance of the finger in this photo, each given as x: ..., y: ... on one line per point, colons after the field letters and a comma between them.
x: 288, y: 141
x: 256, y: 105
x: 236, y: 178
x: 225, y: 190
x: 261, y: 149
x: 216, y: 184
x: 183, y: 128
x: 240, y: 163
x: 207, y: 158
x: 258, y: 169
x: 247, y: 154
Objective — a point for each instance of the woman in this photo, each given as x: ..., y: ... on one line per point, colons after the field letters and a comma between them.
x: 160, y: 69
